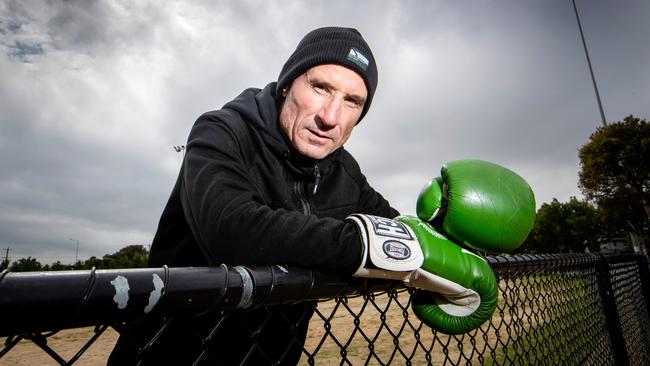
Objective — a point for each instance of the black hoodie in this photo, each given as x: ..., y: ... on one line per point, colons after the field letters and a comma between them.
x: 244, y: 196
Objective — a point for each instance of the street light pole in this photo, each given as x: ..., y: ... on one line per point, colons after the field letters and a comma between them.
x: 76, y: 255
x: 591, y: 70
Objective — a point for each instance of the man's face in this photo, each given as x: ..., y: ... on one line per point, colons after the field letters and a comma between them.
x: 321, y: 108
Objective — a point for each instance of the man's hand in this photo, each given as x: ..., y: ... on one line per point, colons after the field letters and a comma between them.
x: 461, y: 289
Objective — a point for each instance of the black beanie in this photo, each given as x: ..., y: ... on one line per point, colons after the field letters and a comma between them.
x: 332, y: 45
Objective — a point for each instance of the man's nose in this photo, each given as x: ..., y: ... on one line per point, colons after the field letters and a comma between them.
x: 330, y: 112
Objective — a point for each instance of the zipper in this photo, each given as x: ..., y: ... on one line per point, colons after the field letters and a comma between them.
x: 297, y: 188
x: 316, y: 178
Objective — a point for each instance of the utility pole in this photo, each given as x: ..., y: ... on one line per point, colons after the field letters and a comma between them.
x: 7, y: 249
x: 4, y: 265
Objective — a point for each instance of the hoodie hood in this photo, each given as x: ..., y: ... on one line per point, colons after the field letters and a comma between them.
x: 260, y: 107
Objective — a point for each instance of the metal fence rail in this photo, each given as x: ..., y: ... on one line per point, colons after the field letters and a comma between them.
x: 570, y: 309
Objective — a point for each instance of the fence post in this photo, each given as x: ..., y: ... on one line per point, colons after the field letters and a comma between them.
x: 612, y: 321
x: 644, y: 276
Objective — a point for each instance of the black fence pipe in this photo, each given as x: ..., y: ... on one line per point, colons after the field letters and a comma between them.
x: 610, y: 313
x: 42, y: 301
x: 39, y: 301
x: 513, y: 264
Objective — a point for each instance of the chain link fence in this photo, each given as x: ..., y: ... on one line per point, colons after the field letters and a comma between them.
x: 571, y: 309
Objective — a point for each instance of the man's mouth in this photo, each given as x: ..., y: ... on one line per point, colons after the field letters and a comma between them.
x: 319, y: 136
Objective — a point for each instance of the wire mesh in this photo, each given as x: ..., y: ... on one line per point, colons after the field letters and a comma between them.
x: 552, y: 310
x: 632, y: 310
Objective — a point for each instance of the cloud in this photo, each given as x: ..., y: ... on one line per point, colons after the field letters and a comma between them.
x: 96, y: 94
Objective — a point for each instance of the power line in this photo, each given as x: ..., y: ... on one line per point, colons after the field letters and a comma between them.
x: 591, y: 70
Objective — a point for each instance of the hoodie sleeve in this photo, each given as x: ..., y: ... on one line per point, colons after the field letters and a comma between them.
x: 230, y: 222
x: 370, y: 201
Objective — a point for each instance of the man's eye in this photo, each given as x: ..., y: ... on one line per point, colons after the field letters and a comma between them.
x: 353, y: 103
x: 319, y: 88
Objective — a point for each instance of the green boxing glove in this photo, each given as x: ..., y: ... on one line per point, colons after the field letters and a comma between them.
x: 479, y: 204
x: 460, y: 288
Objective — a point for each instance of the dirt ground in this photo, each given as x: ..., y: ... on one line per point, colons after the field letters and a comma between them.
x: 66, y: 343
x: 390, y: 338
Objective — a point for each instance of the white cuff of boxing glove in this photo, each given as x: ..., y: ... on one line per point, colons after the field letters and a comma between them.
x: 388, y: 245
x: 451, y: 297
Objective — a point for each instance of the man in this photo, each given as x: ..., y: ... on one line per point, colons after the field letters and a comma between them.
x: 266, y: 180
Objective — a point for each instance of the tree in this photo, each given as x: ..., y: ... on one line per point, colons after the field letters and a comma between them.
x: 565, y: 227
x: 615, y: 174
x: 26, y: 265
x: 93, y: 262
x: 131, y: 256
x: 58, y: 266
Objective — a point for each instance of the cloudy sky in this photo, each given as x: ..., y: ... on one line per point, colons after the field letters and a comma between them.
x: 95, y: 94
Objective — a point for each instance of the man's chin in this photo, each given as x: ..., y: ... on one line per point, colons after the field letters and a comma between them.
x: 316, y: 156
x: 315, y: 152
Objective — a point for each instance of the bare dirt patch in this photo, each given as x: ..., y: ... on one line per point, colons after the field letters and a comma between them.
x: 66, y: 344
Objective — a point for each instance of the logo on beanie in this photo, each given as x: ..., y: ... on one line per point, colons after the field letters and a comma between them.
x: 358, y: 58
